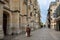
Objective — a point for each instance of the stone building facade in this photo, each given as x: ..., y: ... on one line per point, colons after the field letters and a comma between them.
x: 29, y: 14
x: 54, y: 15
x: 9, y: 17
x: 48, y: 22
x: 15, y: 15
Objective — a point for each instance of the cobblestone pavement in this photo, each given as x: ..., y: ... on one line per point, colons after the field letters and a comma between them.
x: 41, y: 34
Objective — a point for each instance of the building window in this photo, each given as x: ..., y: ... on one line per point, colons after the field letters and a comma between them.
x: 31, y: 14
x: 54, y: 15
x: 25, y: 2
x: 58, y: 11
x: 30, y: 1
x: 36, y: 15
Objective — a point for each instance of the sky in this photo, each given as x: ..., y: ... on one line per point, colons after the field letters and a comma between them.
x: 44, y: 5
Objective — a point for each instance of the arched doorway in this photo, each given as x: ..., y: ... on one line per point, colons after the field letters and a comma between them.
x: 5, y: 22
x: 59, y: 25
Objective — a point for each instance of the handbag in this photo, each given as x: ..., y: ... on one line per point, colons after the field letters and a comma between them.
x: 26, y: 34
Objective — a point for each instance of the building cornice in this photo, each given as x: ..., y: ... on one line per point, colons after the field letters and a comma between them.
x: 11, y: 10
x: 23, y: 15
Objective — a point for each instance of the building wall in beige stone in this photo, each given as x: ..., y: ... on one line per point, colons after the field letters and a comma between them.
x: 1, y: 22
x: 53, y: 8
x: 15, y: 22
x: 37, y: 14
x: 30, y: 12
x: 33, y: 12
x: 23, y: 7
x: 23, y: 15
x: 9, y: 21
x: 14, y: 4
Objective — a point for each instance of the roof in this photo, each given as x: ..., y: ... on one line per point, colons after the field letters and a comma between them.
x: 52, y: 4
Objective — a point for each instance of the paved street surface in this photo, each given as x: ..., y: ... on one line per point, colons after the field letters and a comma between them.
x: 41, y: 34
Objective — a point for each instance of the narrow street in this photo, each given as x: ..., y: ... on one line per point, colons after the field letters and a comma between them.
x: 41, y: 34
x: 41, y: 17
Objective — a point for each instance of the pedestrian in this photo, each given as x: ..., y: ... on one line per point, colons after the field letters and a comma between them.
x: 28, y: 31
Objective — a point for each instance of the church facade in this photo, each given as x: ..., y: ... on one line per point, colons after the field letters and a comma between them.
x: 15, y: 15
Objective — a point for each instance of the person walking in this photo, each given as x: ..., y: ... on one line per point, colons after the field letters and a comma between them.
x: 28, y: 31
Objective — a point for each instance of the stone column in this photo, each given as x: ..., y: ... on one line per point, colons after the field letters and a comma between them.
x: 1, y: 21
x: 15, y: 23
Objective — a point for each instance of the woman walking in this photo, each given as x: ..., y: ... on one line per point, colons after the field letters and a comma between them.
x: 28, y: 31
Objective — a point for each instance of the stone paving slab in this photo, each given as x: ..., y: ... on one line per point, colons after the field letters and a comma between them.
x: 41, y: 34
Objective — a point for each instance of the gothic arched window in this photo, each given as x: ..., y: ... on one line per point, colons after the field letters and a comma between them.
x: 31, y: 14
